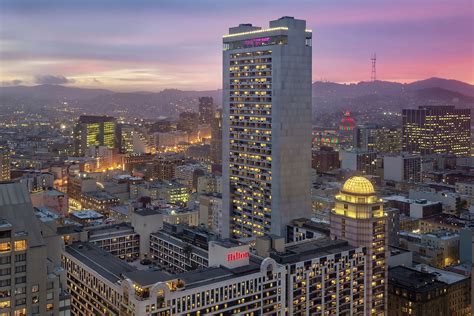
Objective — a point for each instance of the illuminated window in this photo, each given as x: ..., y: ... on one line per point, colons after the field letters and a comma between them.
x: 5, y: 246
x: 20, y: 312
x: 20, y: 245
x: 5, y: 304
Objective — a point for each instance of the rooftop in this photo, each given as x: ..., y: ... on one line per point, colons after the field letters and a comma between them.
x: 442, y: 275
x: 99, y: 261
x: 87, y: 214
x: 110, y: 231
x: 413, y: 280
x: 196, y: 278
x: 358, y: 185
x: 16, y: 211
x: 310, y: 249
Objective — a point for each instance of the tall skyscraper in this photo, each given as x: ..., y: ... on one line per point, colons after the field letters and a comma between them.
x: 94, y: 131
x: 437, y: 130
x: 5, y: 165
x: 358, y: 217
x: 266, y: 126
x: 206, y: 110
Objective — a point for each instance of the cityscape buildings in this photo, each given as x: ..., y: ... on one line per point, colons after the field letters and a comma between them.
x: 206, y: 110
x: 5, y: 165
x: 94, y: 131
x: 437, y: 130
x: 266, y: 127
x: 272, y: 205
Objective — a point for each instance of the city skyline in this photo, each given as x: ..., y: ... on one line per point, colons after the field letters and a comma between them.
x: 142, y: 46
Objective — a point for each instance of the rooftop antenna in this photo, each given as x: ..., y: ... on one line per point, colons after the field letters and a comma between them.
x: 373, y: 76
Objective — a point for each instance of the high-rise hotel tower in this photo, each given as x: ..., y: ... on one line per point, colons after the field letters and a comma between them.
x: 266, y: 127
x: 358, y: 218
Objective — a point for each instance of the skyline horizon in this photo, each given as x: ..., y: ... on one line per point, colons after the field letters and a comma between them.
x: 133, y: 46
x: 69, y: 85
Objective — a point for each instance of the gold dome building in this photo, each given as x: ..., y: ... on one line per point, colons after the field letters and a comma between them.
x: 358, y: 217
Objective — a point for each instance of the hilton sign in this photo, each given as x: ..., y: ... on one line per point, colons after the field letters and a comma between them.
x: 237, y: 255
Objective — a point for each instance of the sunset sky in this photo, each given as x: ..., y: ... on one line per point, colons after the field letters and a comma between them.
x: 156, y: 44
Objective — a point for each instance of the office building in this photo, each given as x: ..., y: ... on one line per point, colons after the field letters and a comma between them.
x: 266, y: 127
x: 358, y: 217
x: 126, y: 136
x: 169, y: 191
x: 325, y: 159
x: 364, y: 162
x: 29, y: 277
x: 163, y: 167
x: 206, y: 110
x: 5, y: 165
x: 402, y: 168
x: 216, y: 137
x: 414, y: 208
x: 371, y: 137
x: 437, y: 130
x: 94, y: 131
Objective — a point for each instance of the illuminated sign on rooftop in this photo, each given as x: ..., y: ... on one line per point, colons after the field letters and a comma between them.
x: 257, y: 41
x: 237, y: 255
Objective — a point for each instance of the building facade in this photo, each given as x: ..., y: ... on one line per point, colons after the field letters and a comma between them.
x: 29, y: 281
x: 206, y: 110
x: 358, y: 217
x: 266, y: 126
x: 233, y: 284
x: 216, y: 137
x: 5, y: 165
x: 371, y: 137
x: 94, y: 131
x: 402, y: 168
x: 437, y: 130
x: 364, y: 162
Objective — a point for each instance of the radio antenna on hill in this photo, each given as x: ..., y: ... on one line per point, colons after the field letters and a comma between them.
x: 373, y: 76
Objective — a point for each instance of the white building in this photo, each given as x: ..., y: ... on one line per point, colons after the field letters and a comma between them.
x: 210, y: 212
x: 266, y: 126
x: 233, y: 284
x: 360, y: 161
x: 402, y: 168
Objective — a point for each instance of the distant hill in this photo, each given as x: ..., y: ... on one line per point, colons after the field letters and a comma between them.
x: 321, y: 88
x: 363, y: 96
x: 48, y: 91
x: 327, y: 96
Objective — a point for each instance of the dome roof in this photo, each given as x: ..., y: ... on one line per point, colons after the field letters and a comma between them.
x: 358, y: 185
